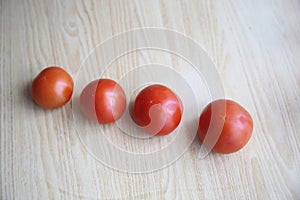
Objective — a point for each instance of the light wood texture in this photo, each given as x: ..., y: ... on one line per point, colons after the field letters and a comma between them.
x: 256, y: 48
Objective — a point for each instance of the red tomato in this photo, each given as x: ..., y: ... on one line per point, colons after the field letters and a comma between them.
x: 157, y: 109
x: 52, y: 88
x: 235, y: 124
x: 103, y: 101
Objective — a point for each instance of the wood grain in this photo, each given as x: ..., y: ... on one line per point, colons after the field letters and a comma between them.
x: 255, y: 46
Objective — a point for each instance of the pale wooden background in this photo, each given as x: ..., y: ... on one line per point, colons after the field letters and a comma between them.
x: 256, y: 48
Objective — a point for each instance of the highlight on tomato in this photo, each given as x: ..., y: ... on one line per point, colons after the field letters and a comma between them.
x: 225, y: 126
x: 52, y: 87
x: 103, y: 101
x: 157, y: 110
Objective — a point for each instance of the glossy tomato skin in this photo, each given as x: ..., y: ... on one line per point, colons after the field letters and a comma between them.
x: 52, y: 87
x: 103, y: 101
x: 237, y: 126
x: 169, y: 111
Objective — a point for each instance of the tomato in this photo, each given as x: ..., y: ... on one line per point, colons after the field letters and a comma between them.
x: 103, y: 101
x: 233, y: 122
x: 157, y: 109
x: 52, y: 87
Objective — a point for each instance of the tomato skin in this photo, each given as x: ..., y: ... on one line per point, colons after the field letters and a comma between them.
x: 103, y: 101
x: 52, y: 87
x: 237, y: 126
x: 166, y: 117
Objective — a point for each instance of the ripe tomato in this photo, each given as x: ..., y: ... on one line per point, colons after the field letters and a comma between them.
x: 52, y: 88
x: 235, y: 124
x: 157, y: 109
x: 103, y: 101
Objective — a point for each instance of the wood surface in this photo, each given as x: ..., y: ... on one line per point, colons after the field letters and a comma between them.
x: 255, y: 46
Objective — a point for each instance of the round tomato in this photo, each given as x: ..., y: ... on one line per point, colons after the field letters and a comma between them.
x: 103, y: 101
x: 157, y: 109
x: 52, y: 88
x: 228, y: 129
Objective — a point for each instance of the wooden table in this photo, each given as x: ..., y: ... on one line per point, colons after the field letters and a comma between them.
x: 255, y: 46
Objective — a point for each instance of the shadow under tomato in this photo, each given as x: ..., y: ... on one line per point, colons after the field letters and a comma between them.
x: 26, y: 94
